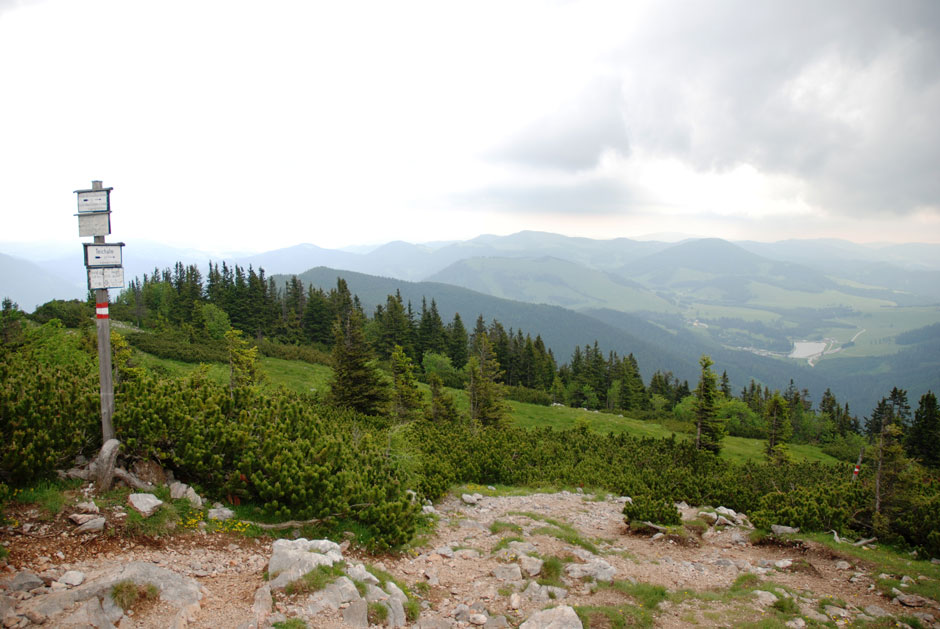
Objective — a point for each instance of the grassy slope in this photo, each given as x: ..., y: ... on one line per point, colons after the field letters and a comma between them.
x: 304, y: 378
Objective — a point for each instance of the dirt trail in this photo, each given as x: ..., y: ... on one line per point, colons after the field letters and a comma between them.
x: 461, y: 565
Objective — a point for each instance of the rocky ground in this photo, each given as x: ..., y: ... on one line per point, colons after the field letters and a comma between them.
x: 493, y: 561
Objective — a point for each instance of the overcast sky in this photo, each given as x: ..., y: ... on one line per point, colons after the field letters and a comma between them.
x: 231, y: 125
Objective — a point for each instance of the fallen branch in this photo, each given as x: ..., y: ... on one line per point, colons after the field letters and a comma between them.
x: 661, y: 529
x: 290, y: 524
x: 132, y: 480
x: 863, y: 542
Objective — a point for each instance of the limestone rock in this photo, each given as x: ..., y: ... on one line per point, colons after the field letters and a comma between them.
x: 88, y: 615
x: 92, y: 526
x: 178, y: 490
x: 765, y: 598
x: 357, y: 614
x: 912, y: 600
x: 218, y: 512
x: 25, y: 581
x: 72, y: 577
x: 87, y: 507
x: 779, y: 530
x: 532, y: 566
x: 843, y: 565
x: 875, y: 611
x: 508, y: 573
x: 144, y: 504
x: 563, y: 617
x: 597, y: 569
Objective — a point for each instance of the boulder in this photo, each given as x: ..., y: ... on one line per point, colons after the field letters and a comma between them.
x: 507, y: 573
x: 24, y: 581
x: 532, y: 566
x: 72, y: 577
x: 597, y: 569
x: 357, y: 614
x: 765, y: 598
x: 563, y: 617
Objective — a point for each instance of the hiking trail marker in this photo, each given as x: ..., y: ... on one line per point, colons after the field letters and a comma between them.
x: 104, y: 264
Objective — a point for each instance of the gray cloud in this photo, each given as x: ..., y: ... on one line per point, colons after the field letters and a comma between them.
x: 574, y: 135
x: 599, y: 196
x: 842, y: 95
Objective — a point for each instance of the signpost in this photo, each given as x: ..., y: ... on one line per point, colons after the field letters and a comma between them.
x: 104, y: 263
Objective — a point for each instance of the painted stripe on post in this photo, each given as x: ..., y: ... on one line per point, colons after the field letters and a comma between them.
x: 101, y: 310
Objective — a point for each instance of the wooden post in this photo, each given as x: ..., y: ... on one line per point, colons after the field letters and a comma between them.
x: 104, y: 352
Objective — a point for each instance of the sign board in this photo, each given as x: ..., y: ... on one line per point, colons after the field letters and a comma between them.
x: 94, y: 200
x: 94, y: 224
x: 105, y: 277
x: 99, y: 254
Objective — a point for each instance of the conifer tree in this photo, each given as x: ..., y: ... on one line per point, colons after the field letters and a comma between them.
x: 457, y: 342
x: 406, y: 397
x: 443, y: 407
x: 923, y: 439
x: 709, y: 428
x: 483, y: 389
x: 356, y: 383
x: 779, y: 428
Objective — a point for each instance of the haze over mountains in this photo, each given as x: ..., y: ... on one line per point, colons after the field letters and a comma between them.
x: 747, y: 304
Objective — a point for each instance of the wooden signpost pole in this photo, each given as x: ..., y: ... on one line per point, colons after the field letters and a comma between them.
x: 104, y: 352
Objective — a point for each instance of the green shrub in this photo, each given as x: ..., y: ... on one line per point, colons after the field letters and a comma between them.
x: 646, y: 508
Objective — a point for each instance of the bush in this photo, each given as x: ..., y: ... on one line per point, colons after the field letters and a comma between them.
x: 809, y: 508
x: 528, y: 396
x: 646, y: 508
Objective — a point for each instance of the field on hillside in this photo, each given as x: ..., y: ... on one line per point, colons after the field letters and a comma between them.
x: 304, y: 377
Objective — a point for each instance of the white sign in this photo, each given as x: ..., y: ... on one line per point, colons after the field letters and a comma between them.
x: 94, y: 224
x: 106, y: 277
x: 103, y: 254
x: 93, y: 201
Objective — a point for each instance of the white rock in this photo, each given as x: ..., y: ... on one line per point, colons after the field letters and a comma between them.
x: 144, y: 504
x: 72, y: 577
x: 563, y: 617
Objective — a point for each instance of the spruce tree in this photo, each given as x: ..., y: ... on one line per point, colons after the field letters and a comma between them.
x: 709, y: 428
x: 356, y: 383
x: 443, y: 407
x: 923, y: 439
x: 779, y: 428
x: 484, y: 392
x: 406, y: 397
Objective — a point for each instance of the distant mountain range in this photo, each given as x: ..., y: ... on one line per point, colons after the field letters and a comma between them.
x: 743, y: 303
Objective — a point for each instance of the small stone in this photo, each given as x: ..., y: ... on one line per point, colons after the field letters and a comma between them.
x: 469, y: 499
x: 193, y: 498
x: 515, y: 601
x: 875, y: 611
x: 220, y: 513
x: 723, y: 521
x: 912, y: 600
x: 81, y: 518
x: 92, y: 526
x: 178, y: 490
x: 532, y: 566
x: 796, y: 623
x: 507, y: 573
x: 783, y: 564
x: 72, y: 577
x: 765, y: 598
x: 843, y: 565
x: 835, y: 612
x: 87, y: 507
x: 477, y: 619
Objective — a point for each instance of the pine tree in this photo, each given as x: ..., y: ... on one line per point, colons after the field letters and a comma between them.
x: 484, y: 392
x: 709, y: 429
x: 457, y: 342
x: 356, y: 383
x: 406, y: 397
x: 443, y: 407
x: 923, y: 439
x: 779, y: 428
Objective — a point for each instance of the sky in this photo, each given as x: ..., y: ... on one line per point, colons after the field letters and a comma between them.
x: 249, y: 126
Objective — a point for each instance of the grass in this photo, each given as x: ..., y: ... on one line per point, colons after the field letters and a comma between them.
x: 126, y: 594
x: 551, y: 572
x: 304, y: 377
x: 504, y: 542
x: 290, y: 623
x: 597, y: 617
x: 887, y: 560
x: 48, y: 496
x: 316, y: 579
x: 378, y: 613
x: 499, y: 526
